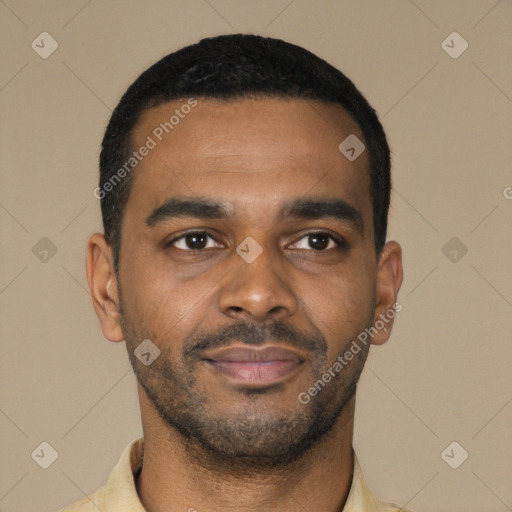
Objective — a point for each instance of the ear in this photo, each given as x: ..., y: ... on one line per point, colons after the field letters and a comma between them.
x: 103, y: 286
x: 389, y: 280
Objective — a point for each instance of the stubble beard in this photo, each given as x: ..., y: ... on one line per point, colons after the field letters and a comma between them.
x: 248, y: 440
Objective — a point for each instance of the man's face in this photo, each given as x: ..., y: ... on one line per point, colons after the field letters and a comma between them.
x: 289, y: 310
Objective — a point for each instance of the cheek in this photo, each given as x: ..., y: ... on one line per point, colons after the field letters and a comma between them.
x: 164, y: 308
x: 341, y: 306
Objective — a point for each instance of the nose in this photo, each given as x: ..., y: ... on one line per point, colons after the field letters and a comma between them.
x: 257, y: 291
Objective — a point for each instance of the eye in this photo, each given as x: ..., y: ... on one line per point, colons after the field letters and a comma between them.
x: 193, y: 241
x: 198, y: 240
x: 318, y: 240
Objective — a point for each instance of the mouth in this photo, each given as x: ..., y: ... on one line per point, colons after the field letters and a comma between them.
x: 255, y: 367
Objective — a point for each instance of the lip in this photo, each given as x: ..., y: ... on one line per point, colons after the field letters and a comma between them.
x: 255, y: 366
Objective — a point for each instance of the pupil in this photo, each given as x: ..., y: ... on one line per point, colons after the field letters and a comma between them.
x: 314, y: 241
x: 195, y: 244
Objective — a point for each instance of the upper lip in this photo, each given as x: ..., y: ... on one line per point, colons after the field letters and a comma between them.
x: 246, y: 353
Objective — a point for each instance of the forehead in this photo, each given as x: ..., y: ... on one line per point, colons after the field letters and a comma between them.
x: 251, y: 152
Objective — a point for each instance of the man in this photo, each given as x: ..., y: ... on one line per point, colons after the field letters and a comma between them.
x: 244, y: 187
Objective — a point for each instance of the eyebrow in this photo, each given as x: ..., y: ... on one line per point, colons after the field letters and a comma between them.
x: 205, y: 208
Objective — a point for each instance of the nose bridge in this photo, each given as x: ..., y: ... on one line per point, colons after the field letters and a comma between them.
x: 257, y: 285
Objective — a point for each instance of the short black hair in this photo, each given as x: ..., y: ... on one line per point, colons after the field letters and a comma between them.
x: 231, y: 67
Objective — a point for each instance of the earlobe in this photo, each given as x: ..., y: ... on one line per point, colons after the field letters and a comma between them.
x: 103, y: 286
x: 389, y: 280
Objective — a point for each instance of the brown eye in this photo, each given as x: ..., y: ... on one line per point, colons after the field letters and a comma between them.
x: 194, y: 241
x: 318, y: 241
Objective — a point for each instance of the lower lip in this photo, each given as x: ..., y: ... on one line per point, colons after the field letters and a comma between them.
x: 256, y: 373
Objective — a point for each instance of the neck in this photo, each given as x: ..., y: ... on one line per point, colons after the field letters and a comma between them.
x: 177, y: 475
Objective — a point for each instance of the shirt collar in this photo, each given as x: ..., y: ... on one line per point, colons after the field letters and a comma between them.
x: 120, y: 492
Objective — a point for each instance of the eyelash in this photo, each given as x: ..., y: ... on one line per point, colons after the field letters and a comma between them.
x: 341, y: 244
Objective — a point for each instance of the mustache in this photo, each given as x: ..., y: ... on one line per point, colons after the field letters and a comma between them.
x: 277, y: 332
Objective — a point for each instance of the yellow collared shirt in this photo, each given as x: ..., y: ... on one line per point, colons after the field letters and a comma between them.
x: 120, y: 493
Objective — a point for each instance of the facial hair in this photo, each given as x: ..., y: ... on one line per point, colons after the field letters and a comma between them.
x: 253, y: 438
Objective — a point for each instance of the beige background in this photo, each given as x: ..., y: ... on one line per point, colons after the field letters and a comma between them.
x: 445, y: 375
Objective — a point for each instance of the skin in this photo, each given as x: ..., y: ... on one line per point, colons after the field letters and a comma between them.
x: 211, y: 445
